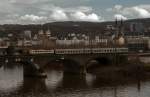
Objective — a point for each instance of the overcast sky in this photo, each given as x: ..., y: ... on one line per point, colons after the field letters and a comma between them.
x: 42, y: 11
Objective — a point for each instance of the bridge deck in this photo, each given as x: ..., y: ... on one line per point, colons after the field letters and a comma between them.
x: 81, y: 51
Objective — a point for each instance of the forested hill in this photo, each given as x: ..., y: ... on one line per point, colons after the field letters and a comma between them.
x: 68, y: 26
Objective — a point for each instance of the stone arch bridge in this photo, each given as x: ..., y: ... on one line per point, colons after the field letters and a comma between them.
x: 74, y: 60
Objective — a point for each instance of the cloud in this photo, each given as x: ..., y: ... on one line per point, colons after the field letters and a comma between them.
x: 116, y: 8
x: 58, y: 15
x: 81, y: 16
x: 120, y: 17
x: 32, y: 18
x: 139, y: 11
x: 81, y: 13
x: 84, y: 9
x: 37, y: 11
x: 85, y: 14
x: 55, y: 13
x: 12, y: 1
x: 145, y: 6
x: 23, y: 1
x: 136, y: 11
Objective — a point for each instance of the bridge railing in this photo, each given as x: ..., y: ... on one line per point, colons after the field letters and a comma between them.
x: 93, y: 50
x: 80, y: 51
x: 41, y: 51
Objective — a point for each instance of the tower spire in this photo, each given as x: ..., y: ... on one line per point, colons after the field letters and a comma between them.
x: 121, y: 27
x: 121, y: 21
x: 116, y: 22
x: 41, y: 30
x: 48, y: 32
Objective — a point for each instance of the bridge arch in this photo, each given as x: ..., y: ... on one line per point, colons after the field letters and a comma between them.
x: 103, y: 60
x: 54, y: 64
x: 80, y: 63
x: 68, y: 65
x: 71, y: 66
x: 98, y: 62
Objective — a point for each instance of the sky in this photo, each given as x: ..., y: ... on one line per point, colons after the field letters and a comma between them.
x: 43, y: 11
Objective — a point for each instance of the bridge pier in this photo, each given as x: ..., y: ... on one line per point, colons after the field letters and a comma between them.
x: 73, y: 67
x: 32, y: 70
x: 75, y: 64
x: 119, y: 59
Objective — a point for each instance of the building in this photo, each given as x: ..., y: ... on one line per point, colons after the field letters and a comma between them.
x: 45, y: 40
x: 118, y: 37
x: 137, y: 44
x: 136, y: 29
x: 27, y: 34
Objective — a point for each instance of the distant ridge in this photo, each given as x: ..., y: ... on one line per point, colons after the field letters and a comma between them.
x: 68, y: 26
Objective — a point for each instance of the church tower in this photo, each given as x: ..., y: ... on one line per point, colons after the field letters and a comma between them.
x: 119, y: 39
x: 41, y: 32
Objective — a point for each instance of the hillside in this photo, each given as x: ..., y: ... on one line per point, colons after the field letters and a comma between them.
x: 68, y: 26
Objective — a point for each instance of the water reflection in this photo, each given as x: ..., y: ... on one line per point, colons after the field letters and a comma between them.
x: 54, y: 79
x: 74, y: 81
x: 32, y: 86
x: 28, y: 87
x: 59, y: 84
x: 10, y: 80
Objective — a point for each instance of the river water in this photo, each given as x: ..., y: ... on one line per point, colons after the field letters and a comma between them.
x: 57, y: 84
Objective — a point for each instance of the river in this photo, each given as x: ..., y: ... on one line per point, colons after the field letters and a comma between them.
x: 57, y: 84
